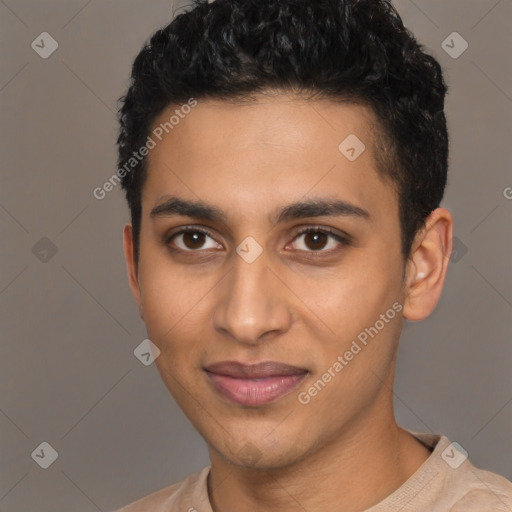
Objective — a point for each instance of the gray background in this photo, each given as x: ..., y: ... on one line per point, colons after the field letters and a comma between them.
x: 69, y: 324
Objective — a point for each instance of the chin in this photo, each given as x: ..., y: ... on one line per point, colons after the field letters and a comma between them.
x: 263, y: 453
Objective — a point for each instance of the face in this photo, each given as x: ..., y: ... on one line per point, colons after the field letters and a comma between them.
x: 247, y: 284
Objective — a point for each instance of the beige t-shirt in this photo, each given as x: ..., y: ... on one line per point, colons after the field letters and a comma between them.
x: 445, y: 482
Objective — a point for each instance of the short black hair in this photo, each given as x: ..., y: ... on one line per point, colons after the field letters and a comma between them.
x: 348, y: 50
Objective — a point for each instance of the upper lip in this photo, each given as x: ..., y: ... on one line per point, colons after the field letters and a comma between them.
x: 254, y: 371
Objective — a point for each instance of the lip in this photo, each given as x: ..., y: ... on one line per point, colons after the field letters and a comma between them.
x: 254, y: 384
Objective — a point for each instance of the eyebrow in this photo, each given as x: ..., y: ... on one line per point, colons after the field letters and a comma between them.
x: 298, y: 210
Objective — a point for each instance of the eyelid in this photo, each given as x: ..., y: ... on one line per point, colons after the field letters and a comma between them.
x: 185, y: 229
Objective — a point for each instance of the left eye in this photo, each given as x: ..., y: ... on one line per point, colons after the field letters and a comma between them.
x: 318, y: 240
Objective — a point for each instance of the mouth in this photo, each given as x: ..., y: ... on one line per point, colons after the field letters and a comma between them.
x: 254, y: 384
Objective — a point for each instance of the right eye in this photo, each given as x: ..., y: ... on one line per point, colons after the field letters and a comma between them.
x: 192, y: 239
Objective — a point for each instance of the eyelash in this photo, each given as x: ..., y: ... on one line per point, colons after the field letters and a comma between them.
x: 343, y: 240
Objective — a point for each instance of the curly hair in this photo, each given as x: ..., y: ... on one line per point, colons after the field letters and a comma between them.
x: 344, y: 50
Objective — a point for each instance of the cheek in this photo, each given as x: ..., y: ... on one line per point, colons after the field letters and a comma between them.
x: 174, y: 319
x: 353, y: 295
x: 160, y: 301
x: 177, y: 311
x: 351, y: 303
x: 363, y: 311
x: 168, y: 299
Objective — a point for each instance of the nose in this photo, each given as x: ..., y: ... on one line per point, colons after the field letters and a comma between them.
x: 253, y: 304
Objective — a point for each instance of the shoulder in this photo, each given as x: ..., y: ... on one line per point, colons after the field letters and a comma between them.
x: 191, y: 489
x: 449, y: 482
x: 482, y: 491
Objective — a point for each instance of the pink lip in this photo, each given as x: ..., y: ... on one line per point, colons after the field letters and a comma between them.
x: 255, y: 384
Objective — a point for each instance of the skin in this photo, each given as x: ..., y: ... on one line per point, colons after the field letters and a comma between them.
x: 208, y: 304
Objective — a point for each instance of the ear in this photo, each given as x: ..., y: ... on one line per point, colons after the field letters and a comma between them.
x: 427, y: 265
x: 131, y: 267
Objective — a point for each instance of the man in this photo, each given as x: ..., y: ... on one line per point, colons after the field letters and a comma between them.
x: 284, y: 164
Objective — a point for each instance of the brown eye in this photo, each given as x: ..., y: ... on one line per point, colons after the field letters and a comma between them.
x: 315, y: 240
x: 192, y: 239
x: 319, y: 240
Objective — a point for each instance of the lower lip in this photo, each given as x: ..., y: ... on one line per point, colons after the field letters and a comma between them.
x: 253, y: 392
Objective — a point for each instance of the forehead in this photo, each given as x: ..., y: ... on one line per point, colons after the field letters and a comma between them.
x: 277, y: 149
x: 284, y: 118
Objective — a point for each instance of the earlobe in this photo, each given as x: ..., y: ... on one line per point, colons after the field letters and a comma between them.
x: 131, y: 267
x: 427, y: 265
